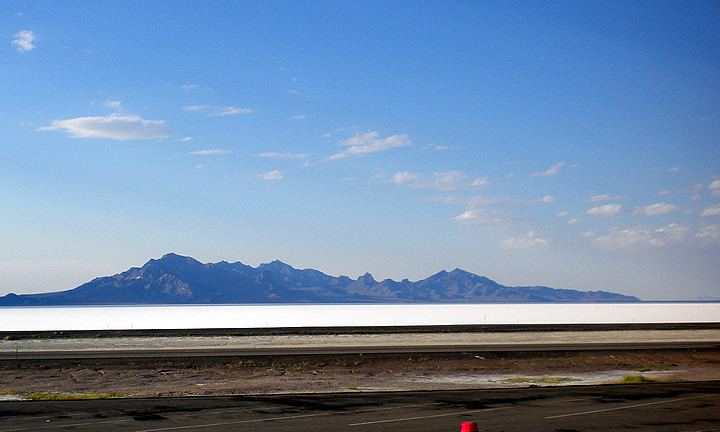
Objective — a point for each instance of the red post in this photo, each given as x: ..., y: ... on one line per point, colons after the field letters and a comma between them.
x: 468, y: 427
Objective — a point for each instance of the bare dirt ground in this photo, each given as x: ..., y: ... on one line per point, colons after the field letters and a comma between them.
x: 343, y: 373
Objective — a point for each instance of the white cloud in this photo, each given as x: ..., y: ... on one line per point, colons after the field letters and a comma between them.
x: 403, y: 177
x: 573, y: 221
x: 196, y: 107
x: 271, y: 175
x: 299, y: 117
x: 218, y: 111
x: 283, y: 155
x: 190, y: 86
x: 473, y: 202
x: 673, y: 169
x: 663, y: 192
x: 713, y: 210
x: 118, y: 127
x: 547, y: 199
x: 709, y: 233
x: 640, y: 237
x: 186, y: 139
x: 552, y: 171
x: 230, y: 110
x: 112, y: 104
x: 210, y: 152
x: 694, y: 189
x: 452, y: 180
x: 480, y: 216
x: 529, y: 241
x: 656, y: 209
x: 371, y: 142
x: 606, y: 210
x: 715, y: 187
x: 599, y: 198
x: 24, y: 40
x: 447, y: 181
x: 479, y: 182
x: 563, y: 214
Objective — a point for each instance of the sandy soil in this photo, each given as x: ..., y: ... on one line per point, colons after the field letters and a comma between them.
x: 341, y: 373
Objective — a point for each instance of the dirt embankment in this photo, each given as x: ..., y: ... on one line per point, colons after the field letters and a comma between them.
x: 336, y: 373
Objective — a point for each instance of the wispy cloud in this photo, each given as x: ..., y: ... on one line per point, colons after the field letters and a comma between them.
x: 403, y: 177
x: 655, y: 209
x: 673, y: 169
x: 480, y: 216
x: 371, y: 142
x: 474, y: 201
x: 190, y: 87
x: 24, y: 40
x: 606, y: 210
x: 218, y: 111
x: 271, y: 175
x: 452, y: 180
x: 283, y: 155
x: 196, y: 107
x: 715, y: 187
x: 118, y: 127
x: 550, y: 172
x: 444, y: 181
x: 545, y: 199
x: 641, y: 237
x: 605, y: 197
x: 210, y: 152
x: 709, y: 233
x: 713, y: 210
x: 530, y: 241
x: 112, y: 104
x: 299, y: 117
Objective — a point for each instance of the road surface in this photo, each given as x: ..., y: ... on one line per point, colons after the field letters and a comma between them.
x: 645, y: 407
x: 321, y: 344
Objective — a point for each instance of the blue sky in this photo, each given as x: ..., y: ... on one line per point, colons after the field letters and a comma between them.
x: 568, y: 144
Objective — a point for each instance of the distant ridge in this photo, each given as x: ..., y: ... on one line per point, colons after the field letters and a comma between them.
x: 176, y: 279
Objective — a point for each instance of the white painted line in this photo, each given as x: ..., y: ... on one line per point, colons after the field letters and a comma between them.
x: 66, y: 425
x: 429, y: 416
x: 628, y: 407
x: 236, y: 422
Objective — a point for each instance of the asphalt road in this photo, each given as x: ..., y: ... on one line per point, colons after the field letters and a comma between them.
x: 331, y: 350
x: 643, y: 407
x: 155, y: 347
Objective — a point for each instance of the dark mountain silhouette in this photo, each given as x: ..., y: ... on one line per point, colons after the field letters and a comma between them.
x: 175, y: 279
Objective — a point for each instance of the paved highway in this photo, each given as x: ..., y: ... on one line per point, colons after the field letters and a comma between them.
x: 208, y: 346
x: 644, y: 407
x: 331, y: 350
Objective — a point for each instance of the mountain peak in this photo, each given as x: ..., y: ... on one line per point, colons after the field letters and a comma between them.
x: 367, y: 278
x: 176, y: 279
x: 275, y: 265
x: 173, y: 257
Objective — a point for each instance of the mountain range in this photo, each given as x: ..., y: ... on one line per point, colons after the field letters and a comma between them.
x: 176, y: 279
